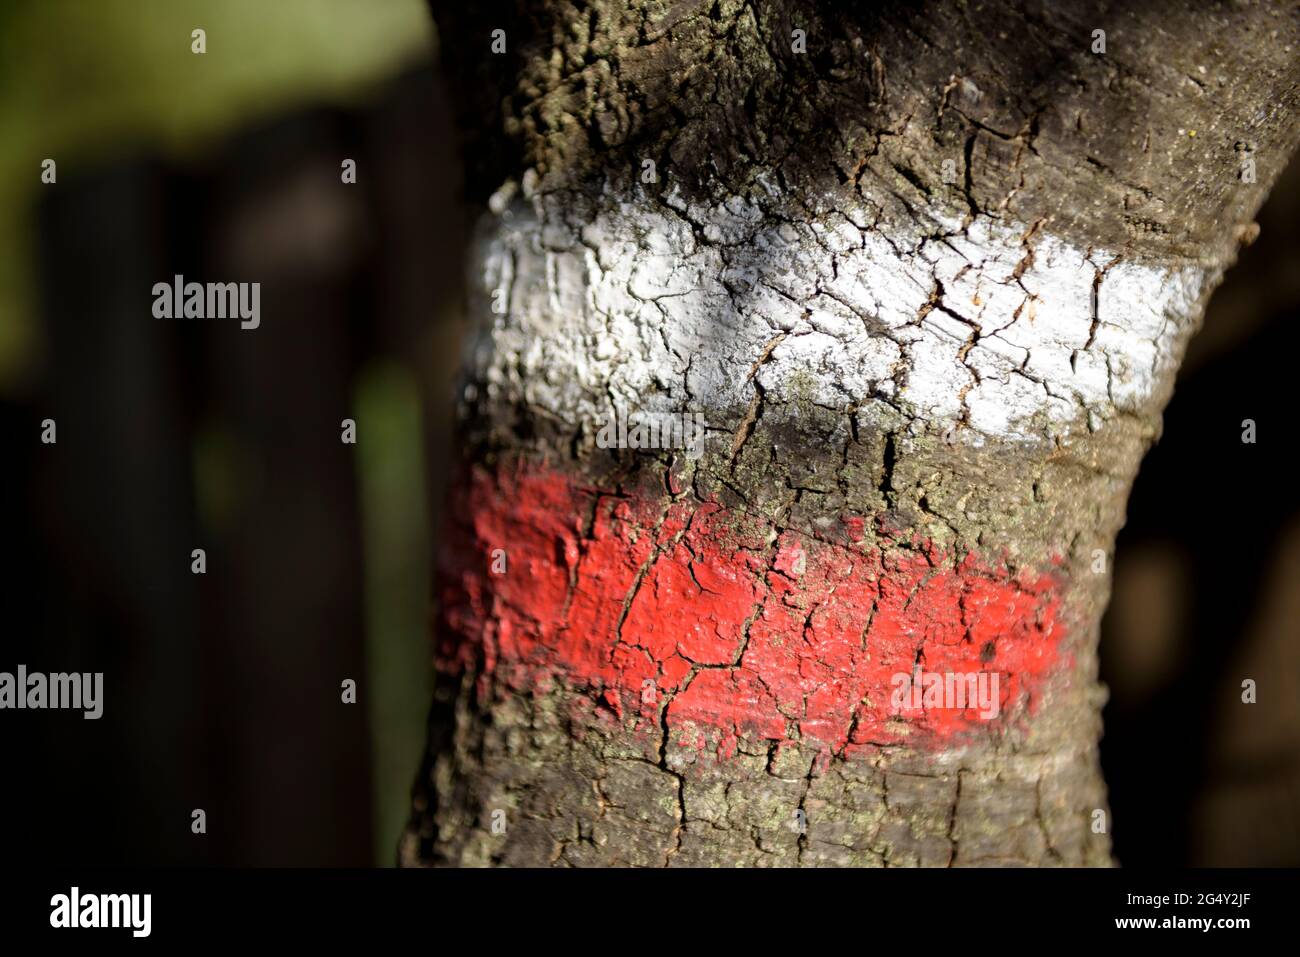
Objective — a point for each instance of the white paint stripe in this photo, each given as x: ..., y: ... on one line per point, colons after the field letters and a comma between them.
x: 625, y: 305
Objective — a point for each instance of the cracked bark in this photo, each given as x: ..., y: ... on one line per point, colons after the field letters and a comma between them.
x: 963, y: 363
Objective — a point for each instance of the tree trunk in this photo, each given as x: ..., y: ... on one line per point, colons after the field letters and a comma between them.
x: 925, y: 276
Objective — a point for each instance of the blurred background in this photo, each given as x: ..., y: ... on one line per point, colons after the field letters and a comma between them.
x: 223, y: 690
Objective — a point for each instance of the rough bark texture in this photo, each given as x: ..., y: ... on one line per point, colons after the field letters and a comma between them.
x: 928, y: 284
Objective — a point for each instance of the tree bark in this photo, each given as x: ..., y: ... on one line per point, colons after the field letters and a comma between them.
x: 925, y: 274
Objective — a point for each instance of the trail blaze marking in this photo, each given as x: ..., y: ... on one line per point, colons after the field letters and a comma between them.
x: 799, y: 637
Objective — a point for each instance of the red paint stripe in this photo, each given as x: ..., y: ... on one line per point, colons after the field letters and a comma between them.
x: 829, y: 622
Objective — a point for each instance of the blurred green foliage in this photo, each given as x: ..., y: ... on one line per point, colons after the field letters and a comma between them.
x: 390, y: 475
x: 84, y: 79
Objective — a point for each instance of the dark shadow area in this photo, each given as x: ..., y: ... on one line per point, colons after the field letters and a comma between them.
x: 222, y: 689
x: 1197, y: 776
